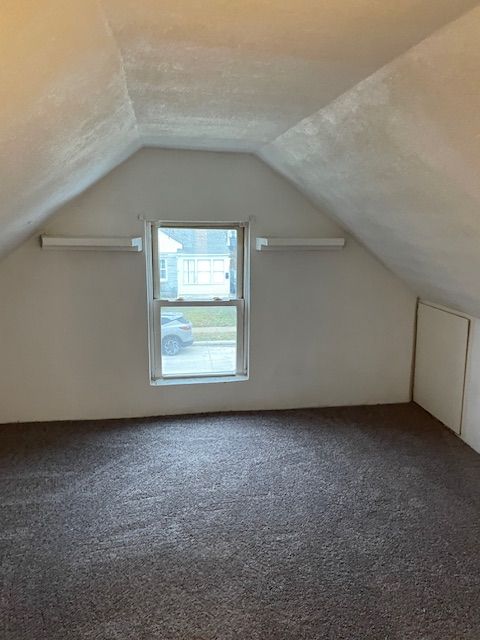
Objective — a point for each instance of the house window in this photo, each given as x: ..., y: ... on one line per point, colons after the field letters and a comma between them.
x: 206, y: 271
x: 198, y: 306
x: 189, y: 276
x: 218, y: 271
x: 162, y: 269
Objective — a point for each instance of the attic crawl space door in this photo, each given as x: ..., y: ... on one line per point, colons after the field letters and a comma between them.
x: 440, y: 363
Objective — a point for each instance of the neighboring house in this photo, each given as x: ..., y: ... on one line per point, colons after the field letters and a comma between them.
x: 194, y: 263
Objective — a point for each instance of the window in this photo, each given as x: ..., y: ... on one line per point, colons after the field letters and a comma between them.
x: 218, y: 271
x: 205, y: 271
x: 198, y: 308
x: 162, y: 269
x: 189, y: 276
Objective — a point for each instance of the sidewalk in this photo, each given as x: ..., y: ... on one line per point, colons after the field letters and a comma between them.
x: 202, y: 357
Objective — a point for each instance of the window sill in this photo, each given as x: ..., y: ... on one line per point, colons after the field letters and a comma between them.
x: 162, y: 382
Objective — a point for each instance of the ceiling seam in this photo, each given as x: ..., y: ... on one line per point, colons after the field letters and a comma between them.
x: 123, y: 71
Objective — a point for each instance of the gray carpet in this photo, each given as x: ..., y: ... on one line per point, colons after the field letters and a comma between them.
x: 345, y: 524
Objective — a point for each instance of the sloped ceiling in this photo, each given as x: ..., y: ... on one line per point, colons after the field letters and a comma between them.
x: 397, y: 161
x: 85, y: 83
x: 65, y: 114
x: 235, y: 74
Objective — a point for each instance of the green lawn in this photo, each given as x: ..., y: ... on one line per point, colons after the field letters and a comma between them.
x: 211, y: 323
x: 210, y: 316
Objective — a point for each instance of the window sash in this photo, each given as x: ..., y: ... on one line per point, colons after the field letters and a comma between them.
x: 240, y: 228
x: 157, y: 304
x: 241, y: 352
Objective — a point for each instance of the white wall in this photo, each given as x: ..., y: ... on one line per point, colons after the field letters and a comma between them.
x: 326, y: 328
x: 471, y: 407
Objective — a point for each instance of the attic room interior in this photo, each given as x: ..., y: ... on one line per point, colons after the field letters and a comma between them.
x: 240, y: 320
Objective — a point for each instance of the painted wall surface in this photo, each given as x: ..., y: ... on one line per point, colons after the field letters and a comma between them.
x: 327, y: 328
x: 471, y: 407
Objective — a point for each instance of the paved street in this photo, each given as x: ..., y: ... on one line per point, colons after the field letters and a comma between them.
x: 202, y: 358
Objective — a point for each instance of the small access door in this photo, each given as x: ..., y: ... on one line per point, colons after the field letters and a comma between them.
x: 440, y: 364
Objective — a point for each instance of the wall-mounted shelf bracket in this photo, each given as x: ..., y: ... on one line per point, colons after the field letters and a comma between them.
x: 299, y: 244
x: 78, y: 243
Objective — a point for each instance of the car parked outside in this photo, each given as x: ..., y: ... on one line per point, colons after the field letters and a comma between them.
x: 176, y: 333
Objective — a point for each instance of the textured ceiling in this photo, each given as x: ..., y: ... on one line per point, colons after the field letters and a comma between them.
x: 65, y: 114
x: 397, y: 161
x: 236, y: 74
x: 85, y: 83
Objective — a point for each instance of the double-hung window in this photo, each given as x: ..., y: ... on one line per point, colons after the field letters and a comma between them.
x: 198, y: 302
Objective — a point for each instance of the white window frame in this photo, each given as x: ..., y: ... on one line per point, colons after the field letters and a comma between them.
x: 155, y: 304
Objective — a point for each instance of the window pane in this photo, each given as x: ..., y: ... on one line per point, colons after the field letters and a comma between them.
x: 220, y: 271
x: 188, y: 271
x: 202, y: 263
x: 203, y: 278
x: 163, y: 268
x: 199, y: 340
x: 218, y: 265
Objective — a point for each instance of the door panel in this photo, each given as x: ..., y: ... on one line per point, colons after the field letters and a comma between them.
x: 441, y: 355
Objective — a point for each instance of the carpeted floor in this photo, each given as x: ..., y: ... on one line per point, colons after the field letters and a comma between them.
x: 341, y: 524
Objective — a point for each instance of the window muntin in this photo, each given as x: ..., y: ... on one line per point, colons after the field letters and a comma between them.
x: 198, y: 324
